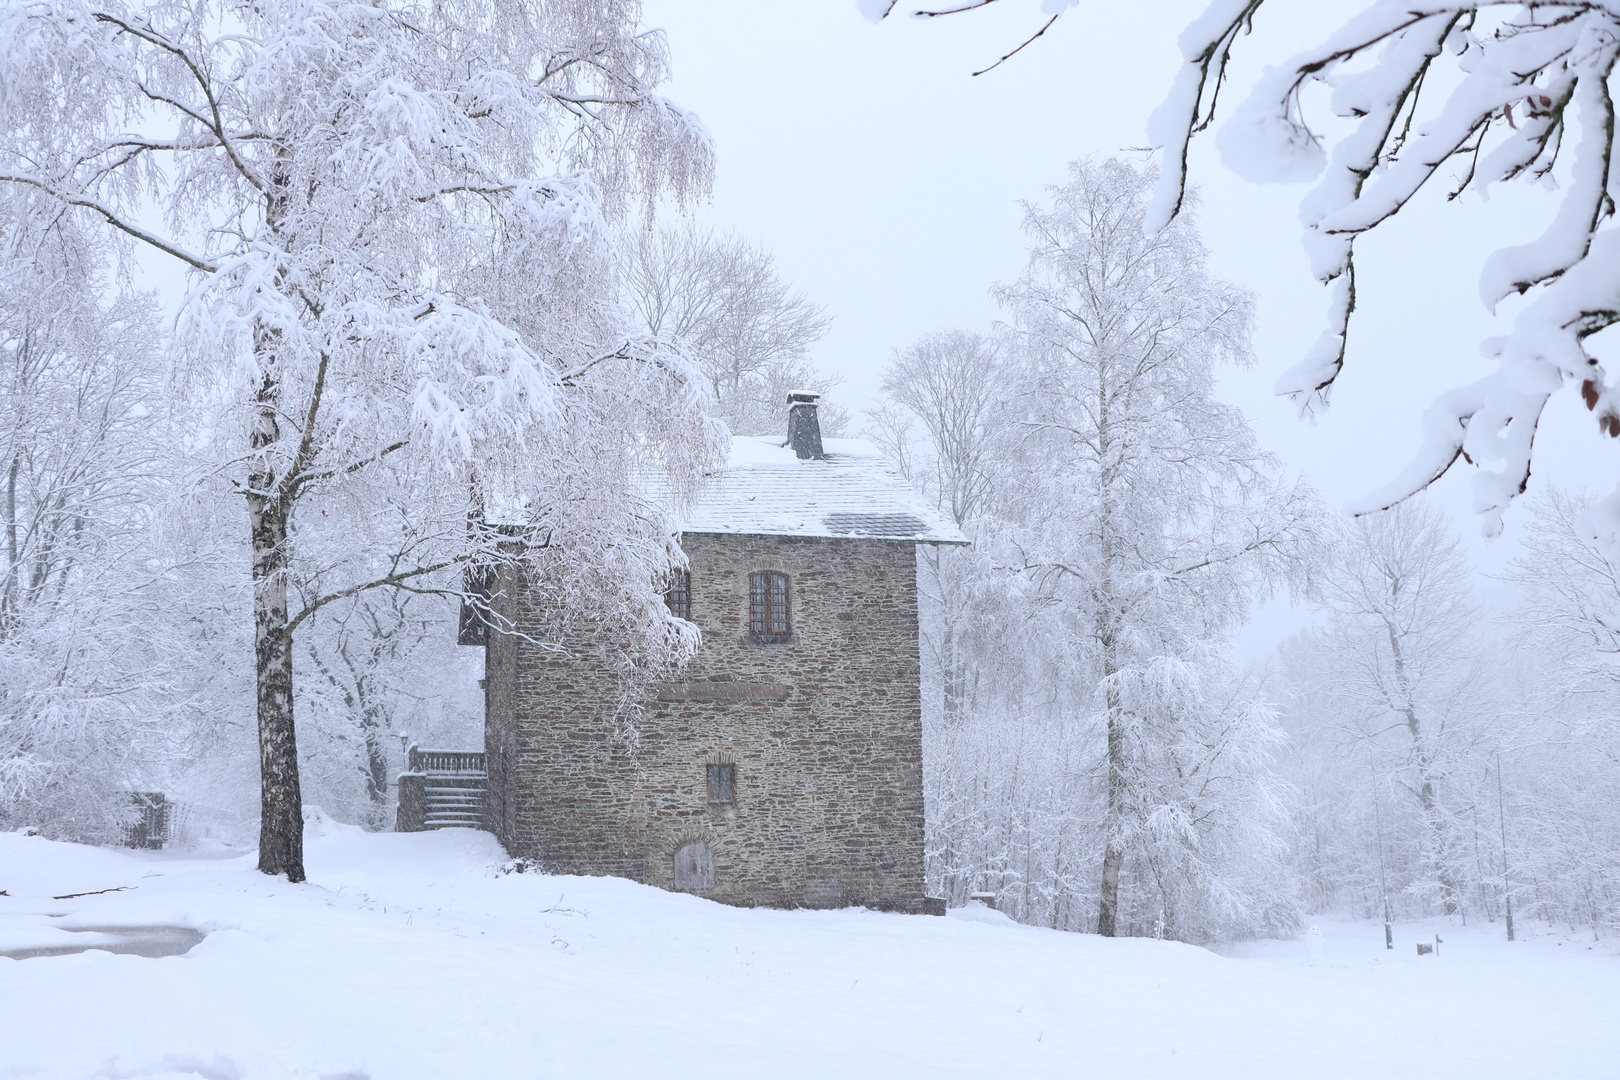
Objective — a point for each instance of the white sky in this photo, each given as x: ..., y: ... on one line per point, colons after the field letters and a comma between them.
x: 886, y: 180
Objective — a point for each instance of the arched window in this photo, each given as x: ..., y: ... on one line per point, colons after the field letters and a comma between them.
x: 768, y: 605
x: 694, y: 866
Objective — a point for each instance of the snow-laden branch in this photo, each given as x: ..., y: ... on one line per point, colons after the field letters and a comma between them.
x: 1532, y: 79
x: 113, y: 218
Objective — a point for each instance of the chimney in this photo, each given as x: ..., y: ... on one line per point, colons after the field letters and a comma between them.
x: 804, y: 429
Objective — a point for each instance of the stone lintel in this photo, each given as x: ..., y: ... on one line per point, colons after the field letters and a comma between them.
x: 721, y: 691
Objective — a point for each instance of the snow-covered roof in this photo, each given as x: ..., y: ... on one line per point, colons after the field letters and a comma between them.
x: 852, y: 493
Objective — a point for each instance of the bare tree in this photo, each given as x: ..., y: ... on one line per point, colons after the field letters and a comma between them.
x: 1570, y: 600
x: 721, y: 298
x: 1401, y: 660
x: 951, y: 383
x: 384, y: 666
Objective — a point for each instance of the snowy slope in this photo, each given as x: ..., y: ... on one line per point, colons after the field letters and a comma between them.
x: 407, y: 956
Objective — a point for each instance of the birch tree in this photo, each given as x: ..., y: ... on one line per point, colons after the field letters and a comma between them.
x: 1123, y: 519
x: 396, y: 222
x: 1155, y: 516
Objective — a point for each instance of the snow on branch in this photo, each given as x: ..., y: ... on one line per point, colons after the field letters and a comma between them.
x: 1528, y: 78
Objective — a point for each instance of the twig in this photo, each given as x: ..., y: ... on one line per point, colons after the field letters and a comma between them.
x: 94, y: 892
x: 1020, y: 48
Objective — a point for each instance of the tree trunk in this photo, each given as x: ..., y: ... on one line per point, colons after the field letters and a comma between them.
x: 376, y: 768
x: 1114, y: 824
x: 1108, y: 637
x: 1114, y: 828
x: 1433, y: 820
x: 281, y: 804
x: 1449, y: 893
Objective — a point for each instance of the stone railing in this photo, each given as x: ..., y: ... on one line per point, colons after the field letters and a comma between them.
x: 439, y: 761
x: 436, y: 788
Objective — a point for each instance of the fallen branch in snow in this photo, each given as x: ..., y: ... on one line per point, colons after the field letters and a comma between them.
x: 94, y: 892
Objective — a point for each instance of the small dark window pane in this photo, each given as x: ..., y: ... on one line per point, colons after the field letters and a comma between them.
x: 722, y: 783
x: 679, y: 597
x: 768, y: 605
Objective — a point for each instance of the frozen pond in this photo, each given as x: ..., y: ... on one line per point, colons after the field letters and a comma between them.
x: 134, y: 940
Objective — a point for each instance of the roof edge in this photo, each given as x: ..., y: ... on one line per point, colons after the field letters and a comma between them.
x: 818, y: 537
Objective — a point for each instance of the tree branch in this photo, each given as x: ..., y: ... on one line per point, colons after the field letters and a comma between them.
x: 195, y: 261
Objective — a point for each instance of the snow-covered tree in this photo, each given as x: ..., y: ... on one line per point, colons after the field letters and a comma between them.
x: 1570, y: 595
x: 1400, y: 96
x: 1398, y: 674
x: 381, y: 670
x: 1154, y: 516
x: 721, y: 298
x: 397, y: 222
x: 1123, y: 520
x: 90, y: 697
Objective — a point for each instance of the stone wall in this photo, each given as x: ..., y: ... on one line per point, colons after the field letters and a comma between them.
x: 411, y: 814
x: 592, y: 772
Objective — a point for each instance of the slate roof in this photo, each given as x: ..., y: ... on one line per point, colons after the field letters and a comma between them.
x: 852, y: 493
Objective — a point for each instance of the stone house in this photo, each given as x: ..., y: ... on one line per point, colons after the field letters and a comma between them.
x: 782, y: 766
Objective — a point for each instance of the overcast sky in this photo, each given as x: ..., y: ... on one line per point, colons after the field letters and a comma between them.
x: 886, y: 178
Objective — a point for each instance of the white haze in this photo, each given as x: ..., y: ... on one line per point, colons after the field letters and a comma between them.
x: 886, y: 179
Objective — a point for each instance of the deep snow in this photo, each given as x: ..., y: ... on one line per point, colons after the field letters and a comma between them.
x: 409, y: 956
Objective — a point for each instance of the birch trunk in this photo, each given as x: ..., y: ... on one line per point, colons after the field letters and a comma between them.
x: 1114, y: 823
x: 1108, y: 638
x: 281, y: 816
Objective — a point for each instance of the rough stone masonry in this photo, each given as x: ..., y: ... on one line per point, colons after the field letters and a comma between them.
x: 773, y: 769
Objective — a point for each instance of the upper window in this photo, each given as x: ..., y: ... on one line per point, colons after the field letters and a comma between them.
x: 679, y: 597
x: 768, y: 605
x: 722, y: 783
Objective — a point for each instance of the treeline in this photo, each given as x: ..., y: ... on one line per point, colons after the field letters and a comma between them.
x: 1094, y: 757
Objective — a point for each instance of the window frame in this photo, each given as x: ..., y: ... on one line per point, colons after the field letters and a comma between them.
x: 770, y: 606
x: 721, y: 777
x: 680, y: 585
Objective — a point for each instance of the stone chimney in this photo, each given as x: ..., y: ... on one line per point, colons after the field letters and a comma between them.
x: 804, y: 429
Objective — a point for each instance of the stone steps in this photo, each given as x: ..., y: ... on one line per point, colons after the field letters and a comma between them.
x: 443, y: 789
x: 455, y: 800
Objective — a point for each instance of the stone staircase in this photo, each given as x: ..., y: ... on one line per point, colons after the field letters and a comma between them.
x: 443, y: 789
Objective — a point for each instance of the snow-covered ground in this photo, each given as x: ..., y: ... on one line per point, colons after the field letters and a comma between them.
x: 408, y: 956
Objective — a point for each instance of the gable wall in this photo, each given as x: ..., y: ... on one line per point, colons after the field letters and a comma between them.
x: 829, y: 807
